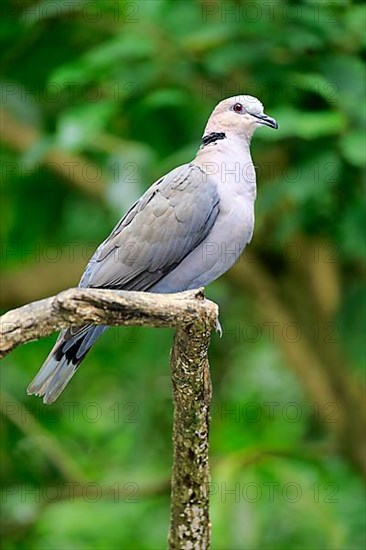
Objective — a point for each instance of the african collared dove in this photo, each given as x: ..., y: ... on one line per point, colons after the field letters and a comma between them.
x: 184, y: 232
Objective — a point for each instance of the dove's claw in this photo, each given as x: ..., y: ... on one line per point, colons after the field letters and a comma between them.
x: 218, y: 327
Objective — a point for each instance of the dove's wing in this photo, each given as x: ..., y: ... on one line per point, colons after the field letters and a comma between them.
x: 167, y: 223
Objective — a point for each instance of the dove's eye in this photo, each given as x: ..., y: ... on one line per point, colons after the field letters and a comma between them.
x: 238, y: 108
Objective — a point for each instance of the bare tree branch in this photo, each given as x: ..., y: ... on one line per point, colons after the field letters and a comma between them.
x: 78, y: 306
x: 194, y: 317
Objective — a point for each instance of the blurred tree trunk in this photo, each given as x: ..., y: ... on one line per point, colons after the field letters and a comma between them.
x: 292, y: 299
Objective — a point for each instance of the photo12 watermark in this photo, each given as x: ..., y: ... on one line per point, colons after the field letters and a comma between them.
x: 273, y: 93
x: 322, y: 11
x: 292, y: 412
x: 274, y: 492
x: 271, y: 331
x: 68, y: 93
x: 90, y: 492
x: 71, y: 11
x: 90, y: 412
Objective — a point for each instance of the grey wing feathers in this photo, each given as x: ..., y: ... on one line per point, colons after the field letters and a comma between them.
x: 169, y: 221
x: 63, y: 360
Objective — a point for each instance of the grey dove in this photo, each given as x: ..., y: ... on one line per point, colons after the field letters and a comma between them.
x: 184, y: 232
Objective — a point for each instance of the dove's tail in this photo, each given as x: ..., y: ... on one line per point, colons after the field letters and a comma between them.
x: 63, y: 360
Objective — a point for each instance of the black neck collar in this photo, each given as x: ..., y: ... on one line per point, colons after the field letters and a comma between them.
x: 212, y: 138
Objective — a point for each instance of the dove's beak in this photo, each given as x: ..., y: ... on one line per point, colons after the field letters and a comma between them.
x: 266, y: 120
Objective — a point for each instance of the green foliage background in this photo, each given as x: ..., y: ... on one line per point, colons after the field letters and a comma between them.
x: 99, y: 100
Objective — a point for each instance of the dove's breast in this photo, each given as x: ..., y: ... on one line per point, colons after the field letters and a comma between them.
x: 232, y: 230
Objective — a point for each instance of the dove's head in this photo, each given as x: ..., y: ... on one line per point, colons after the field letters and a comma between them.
x: 239, y: 115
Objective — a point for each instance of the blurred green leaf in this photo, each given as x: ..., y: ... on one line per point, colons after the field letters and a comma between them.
x: 306, y: 125
x: 78, y: 125
x: 353, y: 146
